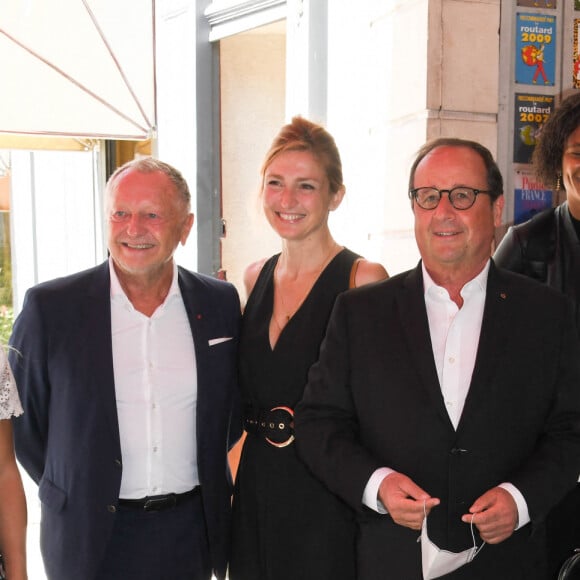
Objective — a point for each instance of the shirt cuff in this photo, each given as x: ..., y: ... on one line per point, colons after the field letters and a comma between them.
x: 370, y: 496
x: 521, y: 503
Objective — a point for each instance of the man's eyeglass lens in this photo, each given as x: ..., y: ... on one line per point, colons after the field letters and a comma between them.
x: 460, y: 197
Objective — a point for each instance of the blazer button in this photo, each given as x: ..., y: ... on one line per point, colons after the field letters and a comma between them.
x: 111, y: 508
x: 458, y: 451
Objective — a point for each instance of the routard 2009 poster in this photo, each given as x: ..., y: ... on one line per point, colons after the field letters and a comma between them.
x: 535, y: 49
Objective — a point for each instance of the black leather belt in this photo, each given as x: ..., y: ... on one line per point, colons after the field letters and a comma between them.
x: 275, y: 425
x: 156, y: 503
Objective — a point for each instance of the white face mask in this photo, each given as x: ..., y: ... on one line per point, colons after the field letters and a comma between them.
x: 437, y: 562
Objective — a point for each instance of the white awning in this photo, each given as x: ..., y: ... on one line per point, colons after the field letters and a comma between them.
x: 77, y: 68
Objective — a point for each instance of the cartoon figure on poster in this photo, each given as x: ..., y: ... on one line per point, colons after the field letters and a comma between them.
x: 535, y: 53
x: 534, y: 56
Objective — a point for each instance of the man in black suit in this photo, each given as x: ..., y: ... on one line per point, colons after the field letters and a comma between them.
x: 128, y: 381
x: 446, y: 399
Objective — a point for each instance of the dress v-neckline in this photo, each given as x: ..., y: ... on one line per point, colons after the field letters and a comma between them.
x: 300, y: 308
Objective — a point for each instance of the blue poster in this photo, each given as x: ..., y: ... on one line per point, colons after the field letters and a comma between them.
x: 535, y: 49
x: 530, y: 196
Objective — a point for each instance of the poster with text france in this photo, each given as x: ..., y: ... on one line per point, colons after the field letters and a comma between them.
x: 535, y: 49
x: 530, y: 196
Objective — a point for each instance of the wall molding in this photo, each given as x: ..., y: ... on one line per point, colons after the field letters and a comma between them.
x: 228, y: 18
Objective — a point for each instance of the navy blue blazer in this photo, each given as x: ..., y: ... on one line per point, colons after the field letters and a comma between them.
x: 68, y: 438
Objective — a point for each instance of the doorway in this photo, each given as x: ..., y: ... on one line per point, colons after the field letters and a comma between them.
x: 252, y: 101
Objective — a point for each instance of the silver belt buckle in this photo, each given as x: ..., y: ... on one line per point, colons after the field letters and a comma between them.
x: 281, y: 426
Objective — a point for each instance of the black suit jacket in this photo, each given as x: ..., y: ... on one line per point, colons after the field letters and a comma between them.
x: 374, y: 400
x: 68, y: 437
x: 546, y: 248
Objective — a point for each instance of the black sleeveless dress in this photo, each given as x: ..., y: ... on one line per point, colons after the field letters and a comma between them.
x: 286, y: 524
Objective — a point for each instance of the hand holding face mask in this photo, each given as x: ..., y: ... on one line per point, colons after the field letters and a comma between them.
x: 437, y: 562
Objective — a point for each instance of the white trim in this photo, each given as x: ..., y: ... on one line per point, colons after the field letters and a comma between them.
x: 227, y: 18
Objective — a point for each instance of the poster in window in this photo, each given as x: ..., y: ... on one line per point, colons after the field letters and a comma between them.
x: 576, y: 55
x: 530, y: 196
x: 531, y: 112
x: 535, y: 49
x: 539, y: 3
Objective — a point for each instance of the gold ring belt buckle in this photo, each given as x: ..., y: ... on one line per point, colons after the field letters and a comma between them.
x: 281, y: 426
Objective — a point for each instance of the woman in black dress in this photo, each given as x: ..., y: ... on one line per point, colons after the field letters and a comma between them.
x: 286, y: 523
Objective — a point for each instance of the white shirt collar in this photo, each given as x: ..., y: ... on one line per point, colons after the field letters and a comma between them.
x: 479, y: 282
x: 117, y: 291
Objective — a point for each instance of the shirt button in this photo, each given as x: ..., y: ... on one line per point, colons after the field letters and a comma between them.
x: 451, y: 360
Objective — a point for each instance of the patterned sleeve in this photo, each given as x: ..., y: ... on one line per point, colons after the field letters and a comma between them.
x: 9, y: 401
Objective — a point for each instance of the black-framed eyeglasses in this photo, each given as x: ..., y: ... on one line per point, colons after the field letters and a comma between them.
x: 460, y: 197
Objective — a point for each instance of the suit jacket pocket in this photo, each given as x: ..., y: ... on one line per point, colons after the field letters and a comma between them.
x: 51, y: 495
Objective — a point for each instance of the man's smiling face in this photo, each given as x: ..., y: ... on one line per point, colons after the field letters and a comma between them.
x: 147, y: 219
x: 452, y: 240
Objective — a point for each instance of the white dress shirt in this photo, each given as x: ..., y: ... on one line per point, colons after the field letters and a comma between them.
x: 455, y: 338
x: 156, y: 393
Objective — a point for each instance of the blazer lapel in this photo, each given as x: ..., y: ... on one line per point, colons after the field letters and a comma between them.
x: 98, y: 320
x: 490, y: 351
x: 200, y: 313
x: 415, y: 329
x: 199, y: 316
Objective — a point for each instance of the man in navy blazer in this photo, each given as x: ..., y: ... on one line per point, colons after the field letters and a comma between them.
x: 127, y: 374
x: 447, y: 399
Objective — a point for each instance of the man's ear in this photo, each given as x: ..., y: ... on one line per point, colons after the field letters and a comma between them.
x: 498, y: 210
x: 186, y: 229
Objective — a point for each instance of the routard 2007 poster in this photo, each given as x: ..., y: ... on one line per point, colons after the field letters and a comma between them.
x: 530, y: 113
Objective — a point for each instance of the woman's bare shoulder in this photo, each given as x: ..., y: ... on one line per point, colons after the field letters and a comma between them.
x: 368, y: 272
x: 251, y: 274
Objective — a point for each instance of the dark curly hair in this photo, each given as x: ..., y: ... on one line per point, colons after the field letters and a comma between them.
x: 549, y: 150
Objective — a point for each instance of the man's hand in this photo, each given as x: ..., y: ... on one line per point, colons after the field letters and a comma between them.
x: 405, y: 501
x: 496, y: 515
